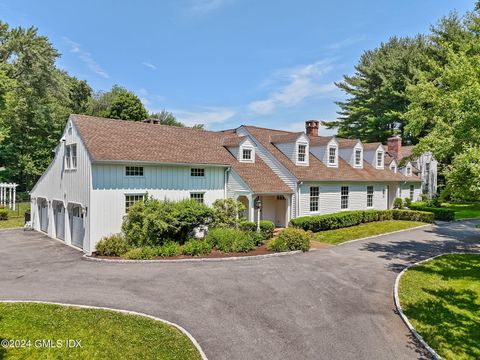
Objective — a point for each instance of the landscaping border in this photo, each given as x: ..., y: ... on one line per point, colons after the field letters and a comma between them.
x: 399, y: 307
x: 128, y: 312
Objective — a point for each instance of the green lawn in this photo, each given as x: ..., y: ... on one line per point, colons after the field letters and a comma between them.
x: 364, y: 230
x: 103, y: 334
x: 441, y: 298
x: 464, y: 211
x: 15, y: 218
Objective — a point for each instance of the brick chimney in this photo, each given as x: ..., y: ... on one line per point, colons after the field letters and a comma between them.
x: 311, y: 127
x: 395, y: 146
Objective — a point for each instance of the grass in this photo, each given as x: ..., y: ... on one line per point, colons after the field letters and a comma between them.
x: 15, y: 218
x: 338, y: 236
x: 103, y: 334
x: 464, y: 211
x: 441, y: 298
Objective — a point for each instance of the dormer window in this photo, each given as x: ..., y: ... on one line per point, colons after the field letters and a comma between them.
x: 332, y: 156
x: 358, y: 157
x: 379, y: 159
x: 247, y: 154
x: 409, y: 171
x: 302, y: 153
x: 393, y: 167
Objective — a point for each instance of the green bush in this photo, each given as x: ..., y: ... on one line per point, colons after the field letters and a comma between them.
x: 266, y: 227
x: 397, y: 203
x: 257, y: 238
x: 413, y: 215
x: 439, y: 213
x: 407, y: 202
x: 3, y: 214
x: 194, y: 247
x: 141, y: 253
x: 168, y: 249
x: 154, y: 222
x: 290, y: 239
x: 231, y: 240
x: 112, y: 245
x: 227, y: 213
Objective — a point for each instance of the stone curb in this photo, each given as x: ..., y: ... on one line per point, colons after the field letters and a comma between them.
x: 178, y: 327
x: 399, y: 307
x: 233, y: 258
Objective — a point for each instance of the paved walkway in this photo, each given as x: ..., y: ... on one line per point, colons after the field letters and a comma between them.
x: 332, y: 303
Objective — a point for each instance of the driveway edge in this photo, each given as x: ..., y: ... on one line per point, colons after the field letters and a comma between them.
x: 399, y: 307
x: 128, y: 312
x: 233, y: 258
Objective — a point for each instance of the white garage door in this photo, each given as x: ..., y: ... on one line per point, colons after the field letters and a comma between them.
x: 77, y: 227
x: 59, y: 213
x: 43, y: 212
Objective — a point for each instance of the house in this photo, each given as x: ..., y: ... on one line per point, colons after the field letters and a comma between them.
x: 103, y: 166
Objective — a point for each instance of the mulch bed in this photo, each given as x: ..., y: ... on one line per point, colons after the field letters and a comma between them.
x: 261, y: 250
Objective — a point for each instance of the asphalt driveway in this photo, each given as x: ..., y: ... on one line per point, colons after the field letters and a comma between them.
x: 333, y: 303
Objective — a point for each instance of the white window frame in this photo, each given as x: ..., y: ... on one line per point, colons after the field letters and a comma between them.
x: 329, y: 163
x: 68, y: 159
x: 304, y: 154
x: 360, y: 160
x: 241, y: 154
x: 197, y: 172
x: 130, y: 203
x: 393, y: 167
x: 314, y: 199
x: 198, y: 196
x: 370, y: 196
x: 408, y: 170
x: 382, y: 159
x: 70, y: 156
x: 412, y: 192
x: 134, y: 171
x: 344, y: 197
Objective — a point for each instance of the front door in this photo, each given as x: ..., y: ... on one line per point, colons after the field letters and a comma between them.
x: 281, y: 212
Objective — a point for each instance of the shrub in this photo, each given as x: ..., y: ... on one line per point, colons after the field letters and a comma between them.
x: 154, y: 222
x: 3, y: 214
x: 413, y: 215
x: 439, y: 213
x: 266, y: 227
x: 257, y: 238
x: 141, y: 253
x: 168, y: 249
x: 195, y: 247
x: 231, y: 240
x: 397, y: 203
x: 226, y: 213
x: 424, y: 197
x: 112, y: 245
x: 407, y: 202
x: 290, y: 239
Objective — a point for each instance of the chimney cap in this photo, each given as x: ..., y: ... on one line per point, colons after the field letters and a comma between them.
x: 395, y: 137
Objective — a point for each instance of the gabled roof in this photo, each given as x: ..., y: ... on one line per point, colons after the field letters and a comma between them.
x: 130, y: 141
x: 371, y: 146
x: 347, y: 143
x: 233, y: 140
x: 320, y: 140
x: 285, y: 137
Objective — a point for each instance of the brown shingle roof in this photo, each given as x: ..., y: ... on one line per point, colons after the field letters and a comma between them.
x: 285, y: 137
x: 346, y: 143
x: 371, y: 146
x: 319, y: 140
x: 318, y: 171
x: 119, y: 140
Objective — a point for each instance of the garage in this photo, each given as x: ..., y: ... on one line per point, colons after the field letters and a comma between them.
x: 76, y: 226
x: 59, y: 215
x: 43, y: 215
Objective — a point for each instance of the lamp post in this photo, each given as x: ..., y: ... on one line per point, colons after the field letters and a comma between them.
x: 258, y: 206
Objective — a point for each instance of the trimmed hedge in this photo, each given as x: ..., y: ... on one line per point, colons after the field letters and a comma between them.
x: 352, y: 218
x: 112, y: 245
x: 439, y: 213
x: 231, y: 240
x: 290, y: 239
x: 266, y: 227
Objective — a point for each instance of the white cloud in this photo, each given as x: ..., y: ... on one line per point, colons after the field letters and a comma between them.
x: 346, y: 42
x: 149, y: 65
x: 296, y: 85
x: 206, y: 117
x: 202, y: 7
x: 86, y: 57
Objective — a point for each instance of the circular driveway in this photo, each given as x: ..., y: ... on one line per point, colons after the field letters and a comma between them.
x: 333, y: 303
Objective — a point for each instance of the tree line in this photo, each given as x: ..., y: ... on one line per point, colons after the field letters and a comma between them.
x: 427, y: 89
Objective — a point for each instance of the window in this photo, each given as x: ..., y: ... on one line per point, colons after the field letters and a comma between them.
x: 379, y: 158
x: 393, y: 167
x: 412, y: 192
x: 332, y: 155
x: 69, y: 132
x: 358, y: 157
x: 71, y: 156
x: 134, y: 171
x: 68, y: 160
x: 132, y: 199
x: 302, y: 152
x: 314, y: 196
x: 344, y: 197
x: 197, y: 196
x: 427, y: 167
x: 409, y: 170
x: 197, y: 172
x: 247, y: 154
x: 369, y: 196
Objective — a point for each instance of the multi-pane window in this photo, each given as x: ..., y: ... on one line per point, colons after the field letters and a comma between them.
x: 68, y: 160
x: 247, y: 154
x: 358, y: 157
x: 133, y: 170
x: 71, y: 156
x: 412, y: 192
x: 409, y: 171
x: 379, y: 158
x: 369, y: 196
x: 302, y: 152
x: 393, y: 168
x: 314, y: 197
x: 132, y: 199
x: 344, y: 197
x: 197, y: 172
x: 332, y: 155
x: 197, y: 196
x: 427, y: 167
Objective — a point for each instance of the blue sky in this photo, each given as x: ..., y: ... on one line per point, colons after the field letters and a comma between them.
x: 224, y: 62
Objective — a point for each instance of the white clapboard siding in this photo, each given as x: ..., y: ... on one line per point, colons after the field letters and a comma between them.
x: 236, y: 186
x: 405, y: 191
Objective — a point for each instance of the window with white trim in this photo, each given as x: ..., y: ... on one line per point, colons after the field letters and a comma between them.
x: 132, y: 199
x: 370, y: 196
x: 332, y: 155
x: 412, y: 192
x: 197, y: 172
x: 133, y: 170
x: 247, y: 154
x: 379, y: 158
x: 393, y: 167
x: 427, y: 167
x: 71, y: 156
x: 68, y: 160
x: 302, y: 153
x: 409, y: 171
x: 344, y: 197
x: 197, y: 196
x: 314, y: 198
x: 358, y: 157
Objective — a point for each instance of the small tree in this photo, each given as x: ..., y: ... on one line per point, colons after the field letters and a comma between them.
x: 407, y: 202
x: 397, y: 203
x: 227, y: 213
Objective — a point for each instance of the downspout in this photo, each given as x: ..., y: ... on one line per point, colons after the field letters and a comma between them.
x: 227, y: 171
x: 297, y: 207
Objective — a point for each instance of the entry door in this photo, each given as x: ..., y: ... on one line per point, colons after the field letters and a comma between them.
x: 77, y: 227
x: 60, y: 221
x: 43, y: 216
x: 281, y: 212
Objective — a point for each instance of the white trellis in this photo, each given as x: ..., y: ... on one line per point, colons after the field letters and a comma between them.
x: 7, y: 195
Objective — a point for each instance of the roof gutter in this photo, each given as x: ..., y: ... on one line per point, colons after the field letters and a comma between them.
x: 116, y: 162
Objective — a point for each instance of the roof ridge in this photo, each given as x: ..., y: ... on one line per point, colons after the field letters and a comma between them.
x: 265, y: 128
